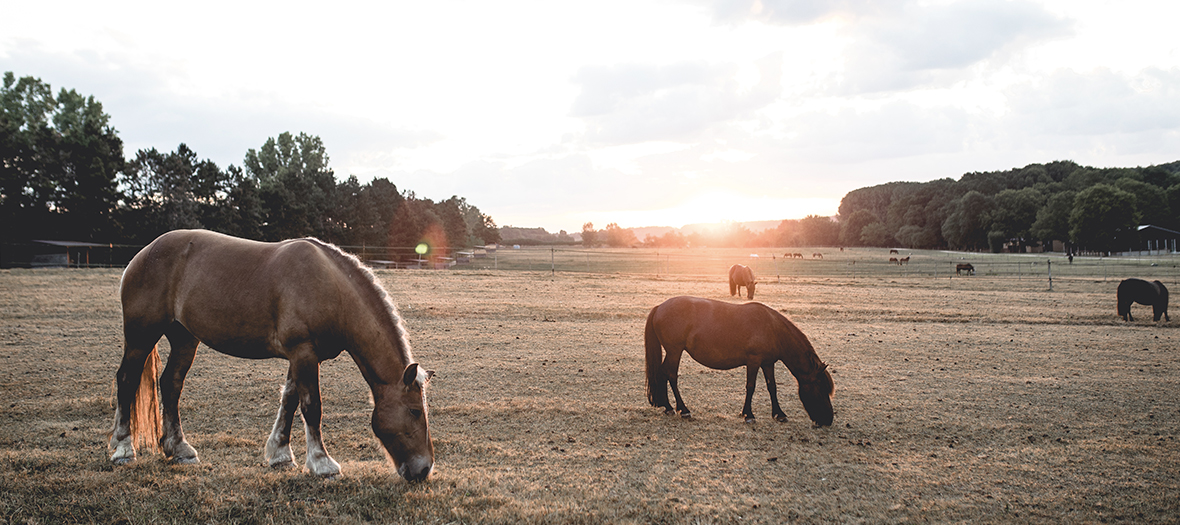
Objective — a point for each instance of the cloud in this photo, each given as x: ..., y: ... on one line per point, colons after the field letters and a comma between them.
x: 1102, y: 102
x: 796, y: 12
x: 633, y: 103
x: 149, y: 107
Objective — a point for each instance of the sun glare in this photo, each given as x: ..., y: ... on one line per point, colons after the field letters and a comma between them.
x: 724, y: 206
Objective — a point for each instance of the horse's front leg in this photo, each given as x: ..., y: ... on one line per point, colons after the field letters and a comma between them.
x: 180, y: 360
x: 278, y: 445
x: 307, y: 383
x: 772, y: 387
x: 751, y: 382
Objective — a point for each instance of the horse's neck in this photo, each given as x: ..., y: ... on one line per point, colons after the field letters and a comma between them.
x: 375, y: 341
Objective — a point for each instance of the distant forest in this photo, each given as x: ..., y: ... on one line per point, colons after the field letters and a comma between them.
x: 1088, y: 209
x: 63, y: 176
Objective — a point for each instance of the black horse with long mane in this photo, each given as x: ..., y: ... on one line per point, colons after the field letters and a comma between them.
x: 1153, y: 294
x: 723, y: 336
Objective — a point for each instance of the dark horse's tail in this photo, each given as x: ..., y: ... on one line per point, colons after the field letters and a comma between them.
x: 657, y: 381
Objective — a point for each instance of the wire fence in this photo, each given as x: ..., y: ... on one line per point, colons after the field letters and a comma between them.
x: 712, y: 263
x: 851, y: 263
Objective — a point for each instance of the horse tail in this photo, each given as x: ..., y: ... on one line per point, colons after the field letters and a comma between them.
x: 657, y: 381
x: 145, y: 407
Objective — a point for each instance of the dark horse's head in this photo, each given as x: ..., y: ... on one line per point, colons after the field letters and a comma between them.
x: 815, y: 391
x: 399, y: 421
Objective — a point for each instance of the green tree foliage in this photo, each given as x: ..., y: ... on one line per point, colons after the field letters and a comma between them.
x: 59, y: 158
x: 876, y: 234
x: 1053, y: 218
x: 295, y: 185
x: 819, y: 231
x: 1103, y: 219
x: 965, y: 227
x: 1006, y: 208
x: 852, y: 225
x: 1013, y: 215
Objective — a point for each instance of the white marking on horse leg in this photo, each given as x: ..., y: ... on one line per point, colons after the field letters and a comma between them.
x: 121, y: 444
x: 319, y: 463
x: 278, y: 445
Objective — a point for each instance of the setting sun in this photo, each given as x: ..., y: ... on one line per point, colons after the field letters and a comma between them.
x: 720, y: 206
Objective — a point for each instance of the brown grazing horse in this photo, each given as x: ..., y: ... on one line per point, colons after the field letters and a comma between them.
x: 740, y: 276
x: 1153, y: 294
x: 723, y: 336
x: 301, y: 300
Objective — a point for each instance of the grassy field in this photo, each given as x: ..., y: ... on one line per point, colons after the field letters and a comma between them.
x: 987, y: 399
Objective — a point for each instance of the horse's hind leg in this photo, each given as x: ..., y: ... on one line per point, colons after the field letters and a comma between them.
x: 672, y: 371
x: 772, y: 388
x: 137, y: 348
x: 180, y: 360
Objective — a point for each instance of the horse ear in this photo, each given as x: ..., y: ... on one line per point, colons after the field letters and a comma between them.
x: 823, y: 366
x: 429, y: 374
x: 410, y: 375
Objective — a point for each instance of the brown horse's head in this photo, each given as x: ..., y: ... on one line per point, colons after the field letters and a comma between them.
x: 399, y: 421
x: 750, y: 289
x: 815, y: 391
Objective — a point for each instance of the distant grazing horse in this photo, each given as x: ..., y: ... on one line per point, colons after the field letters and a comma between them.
x: 1143, y: 292
x: 724, y: 336
x: 960, y: 268
x: 740, y: 276
x: 891, y: 251
x: 301, y: 300
x: 817, y: 256
x: 893, y: 260
x: 903, y: 260
x: 796, y: 255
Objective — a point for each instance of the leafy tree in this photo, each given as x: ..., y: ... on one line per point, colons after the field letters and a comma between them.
x: 1150, y: 200
x: 59, y: 158
x: 876, y: 234
x: 295, y: 185
x: 820, y: 231
x: 589, y: 236
x: 617, y: 237
x: 1014, y: 213
x: 1052, y: 222
x: 852, y: 225
x: 1172, y: 195
x: 1103, y: 218
x: 965, y: 225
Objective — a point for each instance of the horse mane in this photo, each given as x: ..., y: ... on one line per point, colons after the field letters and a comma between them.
x: 371, y: 291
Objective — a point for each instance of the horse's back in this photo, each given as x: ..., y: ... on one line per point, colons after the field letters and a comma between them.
x: 231, y: 293
x: 1141, y: 291
x: 712, y: 331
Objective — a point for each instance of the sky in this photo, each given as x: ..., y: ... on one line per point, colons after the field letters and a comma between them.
x: 635, y: 112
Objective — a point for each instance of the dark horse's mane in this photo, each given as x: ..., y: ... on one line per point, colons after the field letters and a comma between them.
x: 373, y: 293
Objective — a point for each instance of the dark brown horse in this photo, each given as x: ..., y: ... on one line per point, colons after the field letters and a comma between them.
x: 1153, y: 294
x: 740, y: 276
x: 300, y: 300
x: 724, y: 336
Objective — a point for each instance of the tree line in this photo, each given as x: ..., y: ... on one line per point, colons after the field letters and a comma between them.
x: 63, y: 176
x: 1088, y: 209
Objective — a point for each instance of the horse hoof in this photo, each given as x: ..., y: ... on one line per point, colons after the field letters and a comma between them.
x: 189, y: 460
x: 685, y: 415
x: 780, y: 419
x: 283, y: 465
x: 750, y: 419
x: 669, y: 411
x: 122, y: 461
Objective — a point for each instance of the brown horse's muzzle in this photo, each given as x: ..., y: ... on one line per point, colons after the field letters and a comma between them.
x: 818, y: 407
x: 416, y: 469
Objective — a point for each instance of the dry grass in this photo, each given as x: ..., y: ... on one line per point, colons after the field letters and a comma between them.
x: 956, y: 400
